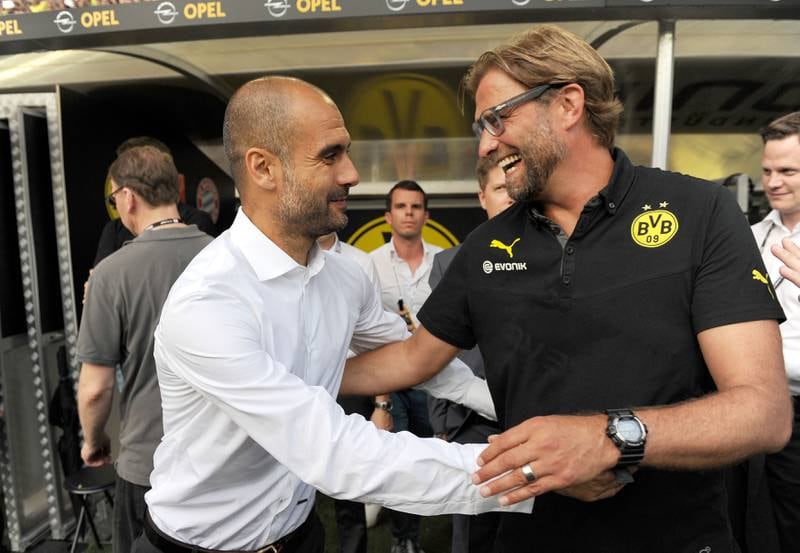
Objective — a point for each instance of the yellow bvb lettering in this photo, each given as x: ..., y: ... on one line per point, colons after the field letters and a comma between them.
x: 654, y: 228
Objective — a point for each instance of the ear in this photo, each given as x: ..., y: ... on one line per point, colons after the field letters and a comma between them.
x: 387, y: 215
x: 482, y: 199
x: 263, y: 168
x: 427, y: 215
x: 131, y: 201
x: 570, y: 103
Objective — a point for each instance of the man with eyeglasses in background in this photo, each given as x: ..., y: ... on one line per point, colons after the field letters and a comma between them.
x: 780, y: 176
x: 115, y: 234
x: 123, y: 303
x: 618, y: 313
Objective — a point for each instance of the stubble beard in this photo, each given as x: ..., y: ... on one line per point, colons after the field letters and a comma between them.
x: 541, y: 154
x: 305, y: 213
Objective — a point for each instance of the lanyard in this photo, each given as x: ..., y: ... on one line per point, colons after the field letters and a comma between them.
x: 162, y: 222
x: 780, y: 279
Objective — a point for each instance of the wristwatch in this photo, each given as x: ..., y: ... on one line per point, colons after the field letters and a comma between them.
x: 385, y: 405
x: 629, y: 434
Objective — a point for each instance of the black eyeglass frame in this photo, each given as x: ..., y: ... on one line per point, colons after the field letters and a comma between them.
x: 110, y: 198
x: 501, y: 110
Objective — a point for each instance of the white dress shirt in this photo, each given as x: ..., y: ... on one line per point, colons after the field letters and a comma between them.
x: 767, y: 232
x: 250, y: 351
x: 397, y: 280
x: 359, y: 256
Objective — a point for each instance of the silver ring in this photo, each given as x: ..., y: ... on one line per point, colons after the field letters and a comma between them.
x: 528, y: 472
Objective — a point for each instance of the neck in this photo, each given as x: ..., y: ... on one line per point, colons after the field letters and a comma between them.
x: 409, y: 250
x: 295, y: 244
x: 156, y: 214
x: 326, y: 242
x: 578, y: 178
x: 790, y: 220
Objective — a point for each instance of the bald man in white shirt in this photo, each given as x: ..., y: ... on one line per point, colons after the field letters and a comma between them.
x: 250, y: 352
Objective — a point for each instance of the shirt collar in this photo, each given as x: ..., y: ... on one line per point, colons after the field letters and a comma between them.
x: 337, y: 244
x: 265, y: 257
x: 426, y: 250
x: 611, y: 196
x: 622, y: 178
x: 774, y: 217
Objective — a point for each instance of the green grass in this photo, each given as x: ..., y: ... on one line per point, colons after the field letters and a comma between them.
x: 434, y: 531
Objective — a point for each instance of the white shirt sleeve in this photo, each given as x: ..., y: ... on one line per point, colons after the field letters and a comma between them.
x: 215, y: 346
x: 456, y: 382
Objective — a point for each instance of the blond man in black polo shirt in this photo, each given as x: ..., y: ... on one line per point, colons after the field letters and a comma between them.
x: 620, y: 316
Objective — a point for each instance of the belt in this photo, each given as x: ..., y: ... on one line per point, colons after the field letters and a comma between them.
x: 170, y: 545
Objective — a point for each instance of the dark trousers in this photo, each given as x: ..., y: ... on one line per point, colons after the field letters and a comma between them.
x: 352, y: 524
x: 351, y: 520
x: 128, y: 517
x: 409, y: 412
x: 783, y: 476
x: 312, y: 541
x: 474, y: 533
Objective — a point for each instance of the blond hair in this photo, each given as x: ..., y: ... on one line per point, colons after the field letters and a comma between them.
x: 549, y: 54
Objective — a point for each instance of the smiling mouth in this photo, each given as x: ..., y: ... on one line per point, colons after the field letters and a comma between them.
x: 508, y: 162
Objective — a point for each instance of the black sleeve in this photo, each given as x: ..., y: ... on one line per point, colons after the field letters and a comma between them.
x: 193, y: 216
x: 730, y: 283
x: 437, y: 414
x: 446, y: 313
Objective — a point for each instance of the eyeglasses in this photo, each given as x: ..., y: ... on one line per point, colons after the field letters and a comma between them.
x: 112, y: 201
x: 492, y: 118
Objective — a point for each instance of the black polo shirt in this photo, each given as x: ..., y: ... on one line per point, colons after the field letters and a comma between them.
x: 608, y: 318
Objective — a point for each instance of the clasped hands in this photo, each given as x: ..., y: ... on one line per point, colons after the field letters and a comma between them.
x: 567, y: 454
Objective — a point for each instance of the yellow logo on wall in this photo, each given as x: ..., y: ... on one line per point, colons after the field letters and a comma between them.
x: 373, y: 234
x: 654, y: 227
x: 408, y: 107
x: 112, y: 212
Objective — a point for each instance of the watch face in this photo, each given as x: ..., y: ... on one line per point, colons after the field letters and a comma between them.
x: 630, y: 431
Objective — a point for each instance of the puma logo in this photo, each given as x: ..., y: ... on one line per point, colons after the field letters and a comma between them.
x: 761, y: 278
x: 500, y: 245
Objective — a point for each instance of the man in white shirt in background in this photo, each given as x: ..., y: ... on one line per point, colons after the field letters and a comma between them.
x: 404, y: 266
x: 780, y: 176
x: 250, y: 353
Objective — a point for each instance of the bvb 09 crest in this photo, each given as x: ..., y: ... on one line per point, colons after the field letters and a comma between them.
x: 654, y: 227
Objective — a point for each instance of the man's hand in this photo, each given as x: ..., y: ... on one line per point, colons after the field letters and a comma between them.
x: 789, y: 254
x: 564, y: 452
x: 382, y: 419
x: 602, y: 486
x: 97, y: 454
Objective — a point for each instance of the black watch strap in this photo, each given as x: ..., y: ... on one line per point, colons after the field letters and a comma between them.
x: 385, y: 405
x: 630, y: 454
